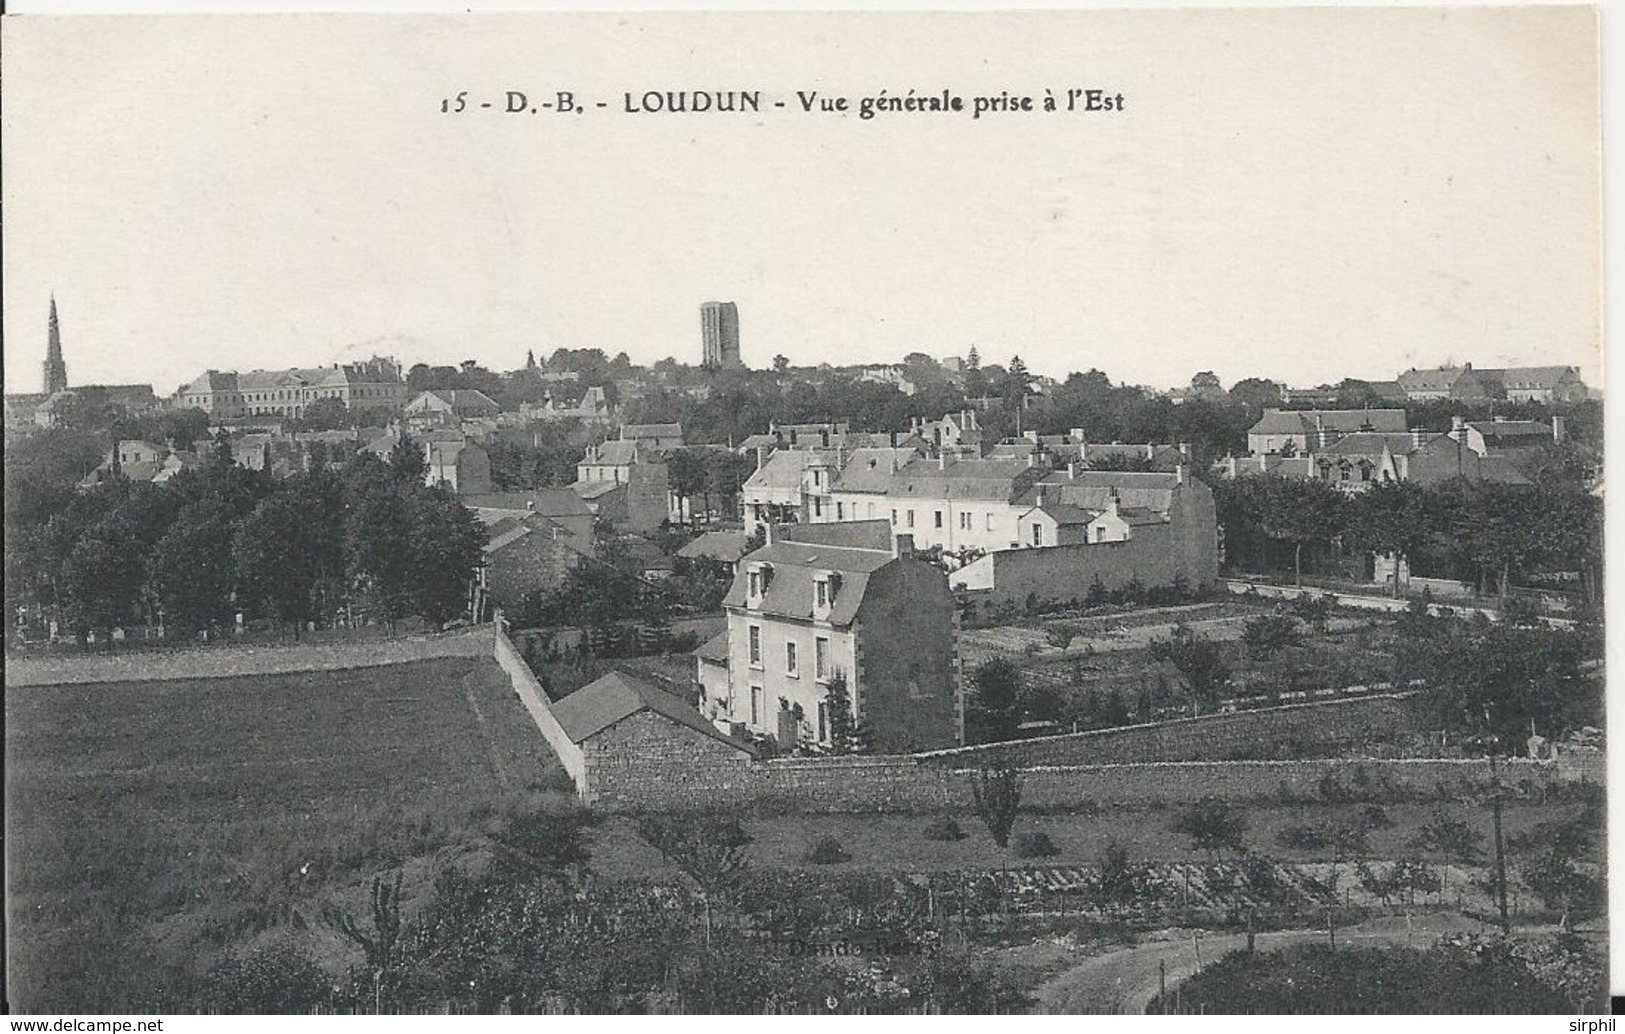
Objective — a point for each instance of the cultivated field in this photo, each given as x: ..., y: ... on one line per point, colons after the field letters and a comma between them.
x: 154, y: 821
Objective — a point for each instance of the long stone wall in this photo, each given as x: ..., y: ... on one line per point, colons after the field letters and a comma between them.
x: 534, y: 698
x: 207, y: 662
x: 1275, y: 732
x: 900, y: 784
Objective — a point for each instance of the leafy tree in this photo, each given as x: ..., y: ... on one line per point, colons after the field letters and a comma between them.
x: 1213, y: 827
x: 1118, y: 882
x: 444, y: 549
x: 998, y: 797
x: 846, y: 736
x: 1198, y: 662
x: 1269, y: 634
x: 781, y: 363
x: 998, y: 686
x: 406, y: 459
x: 378, y: 547
x: 709, y: 849
x: 191, y: 570
x: 1300, y: 512
x: 288, y: 550
x: 1391, y: 518
x: 102, y: 578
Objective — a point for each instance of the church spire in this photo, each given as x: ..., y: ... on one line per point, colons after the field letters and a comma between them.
x: 56, y: 371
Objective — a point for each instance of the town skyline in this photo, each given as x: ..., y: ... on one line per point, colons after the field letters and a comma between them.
x: 399, y: 347
x: 193, y: 213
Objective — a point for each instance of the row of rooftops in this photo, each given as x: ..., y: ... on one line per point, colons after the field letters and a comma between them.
x: 902, y: 473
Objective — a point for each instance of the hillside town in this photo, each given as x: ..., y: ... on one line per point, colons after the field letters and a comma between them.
x: 972, y: 659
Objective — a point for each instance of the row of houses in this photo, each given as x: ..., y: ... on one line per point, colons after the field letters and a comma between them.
x: 1355, y: 449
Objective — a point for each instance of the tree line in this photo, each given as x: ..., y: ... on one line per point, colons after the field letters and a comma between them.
x: 1475, y: 531
x: 221, y: 540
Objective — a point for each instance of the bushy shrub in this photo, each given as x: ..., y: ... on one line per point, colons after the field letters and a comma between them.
x: 944, y: 828
x: 1035, y: 844
x: 827, y: 851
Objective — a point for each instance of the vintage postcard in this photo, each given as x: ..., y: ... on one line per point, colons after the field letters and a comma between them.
x: 805, y: 513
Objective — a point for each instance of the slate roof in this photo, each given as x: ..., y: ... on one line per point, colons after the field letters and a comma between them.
x: 1533, y: 377
x: 630, y: 431
x: 871, y: 534
x: 1066, y: 514
x: 714, y: 649
x: 1341, y: 421
x: 1511, y: 432
x: 595, y: 489
x: 1001, y: 479
x: 790, y: 589
x: 728, y: 546
x: 873, y: 469
x: 618, y: 696
x: 549, y: 502
x: 614, y: 453
x: 1501, y: 470
x: 785, y: 467
x: 1368, y: 443
x: 1438, y: 378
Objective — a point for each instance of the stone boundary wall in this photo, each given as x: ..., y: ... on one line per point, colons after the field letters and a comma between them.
x: 534, y: 698
x: 905, y: 785
x: 225, y: 661
x: 1284, y: 731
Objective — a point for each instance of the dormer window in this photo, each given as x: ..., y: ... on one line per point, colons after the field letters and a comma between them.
x: 821, y: 588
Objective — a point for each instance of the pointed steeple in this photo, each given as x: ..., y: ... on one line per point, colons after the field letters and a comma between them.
x: 530, y: 359
x: 56, y: 371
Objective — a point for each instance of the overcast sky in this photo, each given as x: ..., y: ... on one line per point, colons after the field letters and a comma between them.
x: 1304, y: 194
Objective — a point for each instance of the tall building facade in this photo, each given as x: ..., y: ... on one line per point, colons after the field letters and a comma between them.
x: 56, y: 371
x: 719, y: 332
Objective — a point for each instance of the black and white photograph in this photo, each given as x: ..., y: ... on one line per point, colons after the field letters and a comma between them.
x: 807, y: 513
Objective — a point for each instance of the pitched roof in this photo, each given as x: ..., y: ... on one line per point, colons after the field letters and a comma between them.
x: 1001, y: 479
x: 1368, y: 443
x: 1438, y: 378
x: 1511, y: 431
x: 618, y: 696
x: 1095, y: 489
x: 790, y: 589
x: 549, y: 502
x: 716, y: 545
x: 1341, y: 421
x: 1066, y: 514
x: 629, y: 431
x: 873, y: 534
x: 595, y: 489
x: 872, y: 469
x: 714, y: 649
x: 614, y: 453
x: 1535, y: 377
x: 785, y: 467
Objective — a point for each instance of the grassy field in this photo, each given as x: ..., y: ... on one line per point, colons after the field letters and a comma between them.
x: 155, y: 821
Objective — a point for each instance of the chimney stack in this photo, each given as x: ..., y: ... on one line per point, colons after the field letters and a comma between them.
x: 767, y: 528
x: 1185, y: 449
x: 1076, y: 434
x: 1179, y: 474
x: 1150, y: 451
x: 1558, y: 429
x: 1072, y: 470
x: 1457, y: 427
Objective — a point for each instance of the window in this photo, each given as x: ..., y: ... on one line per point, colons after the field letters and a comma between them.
x: 939, y: 519
x: 964, y: 520
x: 1100, y: 534
x: 790, y: 659
x: 823, y: 721
x: 911, y: 518
x: 821, y: 590
x: 894, y: 518
x: 818, y: 507
x: 821, y: 661
x: 840, y: 511
x: 871, y: 509
x: 1038, y: 534
x: 755, y: 588
x: 990, y: 520
x: 756, y: 645
x: 756, y: 705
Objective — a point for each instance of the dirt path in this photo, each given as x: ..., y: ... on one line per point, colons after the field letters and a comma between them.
x: 1125, y: 981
